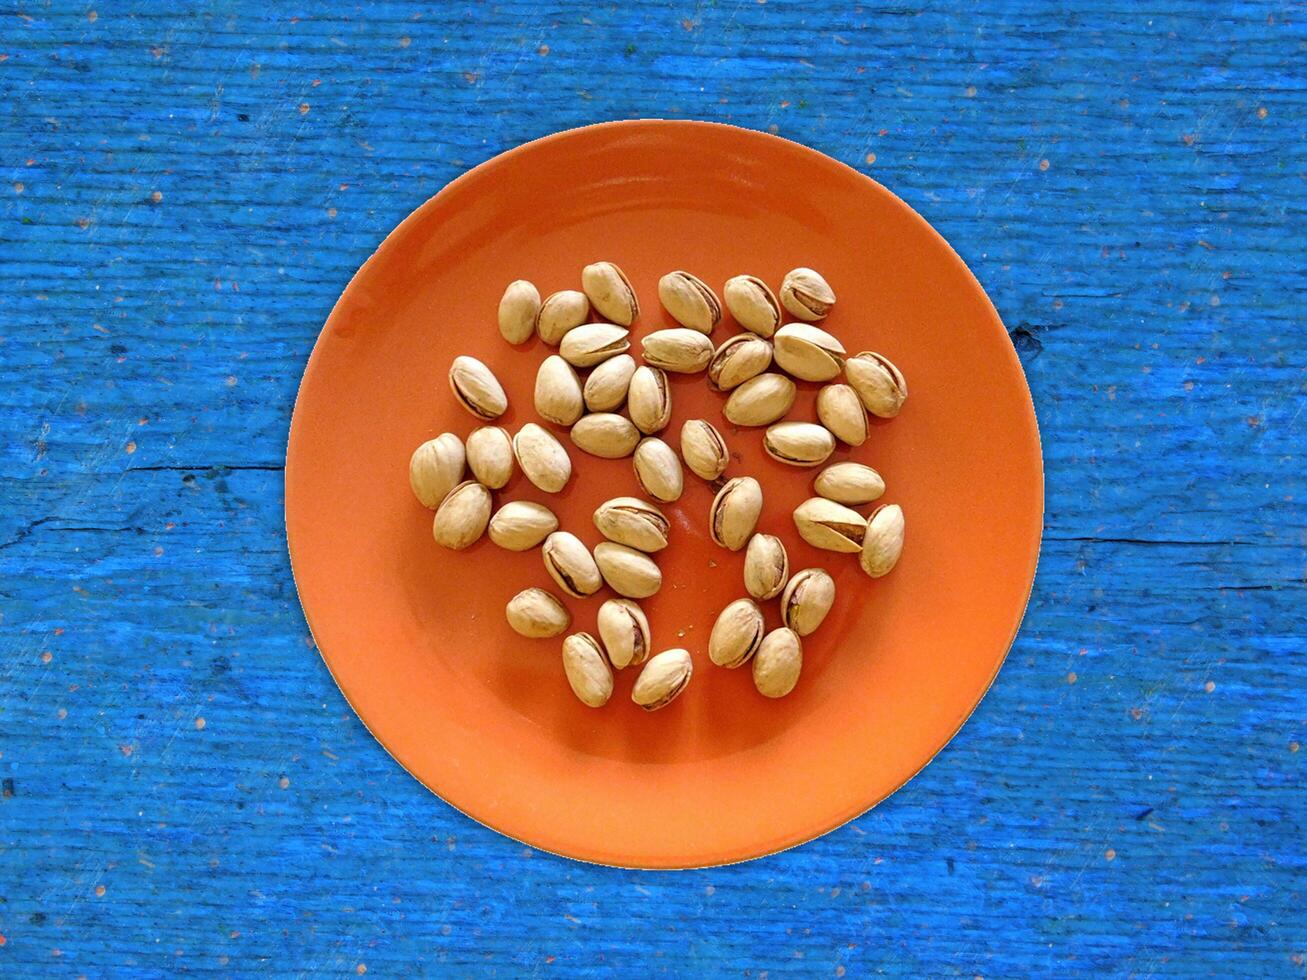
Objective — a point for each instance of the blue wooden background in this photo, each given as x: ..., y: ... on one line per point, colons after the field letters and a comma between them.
x: 184, y: 194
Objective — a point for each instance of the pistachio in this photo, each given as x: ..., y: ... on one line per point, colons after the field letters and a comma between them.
x: 849, y: 483
x: 628, y: 572
x: 736, y: 634
x: 517, y: 311
x: 560, y: 312
x: 569, y: 563
x: 690, y: 301
x: 884, y: 540
x: 587, y: 670
x: 807, y: 599
x: 807, y: 352
x: 558, y: 391
x: 735, y: 511
x: 605, y: 389
x: 761, y: 400
x: 658, y: 470
x: 593, y: 343
x: 543, y: 459
x: 840, y: 409
x: 798, y: 443
x: 476, y: 388
x: 738, y: 359
x: 435, y: 468
x: 778, y: 662
x: 766, y: 566
x: 703, y: 449
x: 610, y: 292
x: 753, y: 304
x: 462, y: 516
x: 624, y: 628
x: 663, y: 679
x: 605, y: 435
x: 520, y: 525
x: 632, y: 522
x: 806, y: 294
x: 490, y: 455
x: 825, y: 524
x: 879, y: 384
x: 649, y: 399
x: 536, y: 614
x: 677, y: 349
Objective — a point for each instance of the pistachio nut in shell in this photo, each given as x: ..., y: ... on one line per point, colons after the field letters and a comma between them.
x: 849, y: 483
x: 735, y: 511
x: 736, y: 634
x: 569, y: 563
x: 606, y: 435
x: 628, y: 572
x: 587, y: 670
x: 884, y: 541
x: 462, y: 516
x: 738, y: 359
x: 879, y: 384
x: 543, y: 459
x: 825, y: 524
x: 633, y: 522
x: 807, y: 599
x: 777, y: 663
x: 649, y: 399
x: 517, y: 311
x: 766, y: 566
x: 677, y: 349
x: 537, y: 614
x: 520, y: 525
x: 690, y: 301
x: 559, y: 313
x: 806, y: 294
x: 606, y: 387
x: 435, y: 468
x: 593, y: 343
x: 490, y: 455
x: 476, y: 388
x: 624, y: 629
x: 798, y: 443
x: 558, y: 392
x: 703, y: 449
x: 807, y: 352
x: 840, y: 409
x: 663, y: 679
x: 658, y: 470
x: 761, y: 400
x: 753, y: 304
x: 610, y: 292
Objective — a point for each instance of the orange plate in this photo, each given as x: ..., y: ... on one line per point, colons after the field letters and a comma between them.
x: 415, y: 635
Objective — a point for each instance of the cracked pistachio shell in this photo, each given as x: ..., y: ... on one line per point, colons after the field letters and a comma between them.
x: 806, y: 294
x: 537, y: 614
x: 761, y: 400
x: 605, y: 390
x: 658, y: 470
x: 558, y: 391
x: 520, y: 525
x: 690, y: 301
x: 736, y: 634
x: 649, y: 399
x: 561, y: 312
x: 490, y: 455
x: 849, y: 483
x: 840, y: 409
x: 610, y: 292
x: 825, y: 524
x: 735, y: 511
x: 517, y: 311
x: 476, y: 388
x: 806, y: 352
x: 879, y: 384
x: 703, y: 449
x: 462, y: 516
x: 777, y: 663
x: 677, y: 349
x: 738, y: 359
x: 766, y: 566
x: 569, y: 563
x: 593, y: 343
x: 606, y: 435
x: 798, y: 443
x: 628, y: 572
x: 633, y: 522
x: 753, y: 304
x: 884, y: 540
x: 807, y: 599
x: 624, y: 628
x: 663, y: 679
x: 435, y: 468
x: 587, y: 670
x: 543, y: 459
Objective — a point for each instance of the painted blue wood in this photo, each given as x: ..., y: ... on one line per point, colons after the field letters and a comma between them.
x: 186, y: 191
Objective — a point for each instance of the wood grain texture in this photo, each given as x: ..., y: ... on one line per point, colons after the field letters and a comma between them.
x: 185, y: 194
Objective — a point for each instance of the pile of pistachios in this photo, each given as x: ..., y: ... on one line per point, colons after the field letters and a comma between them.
x: 757, y: 368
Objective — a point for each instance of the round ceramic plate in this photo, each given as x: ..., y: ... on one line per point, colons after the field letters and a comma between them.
x: 415, y: 635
